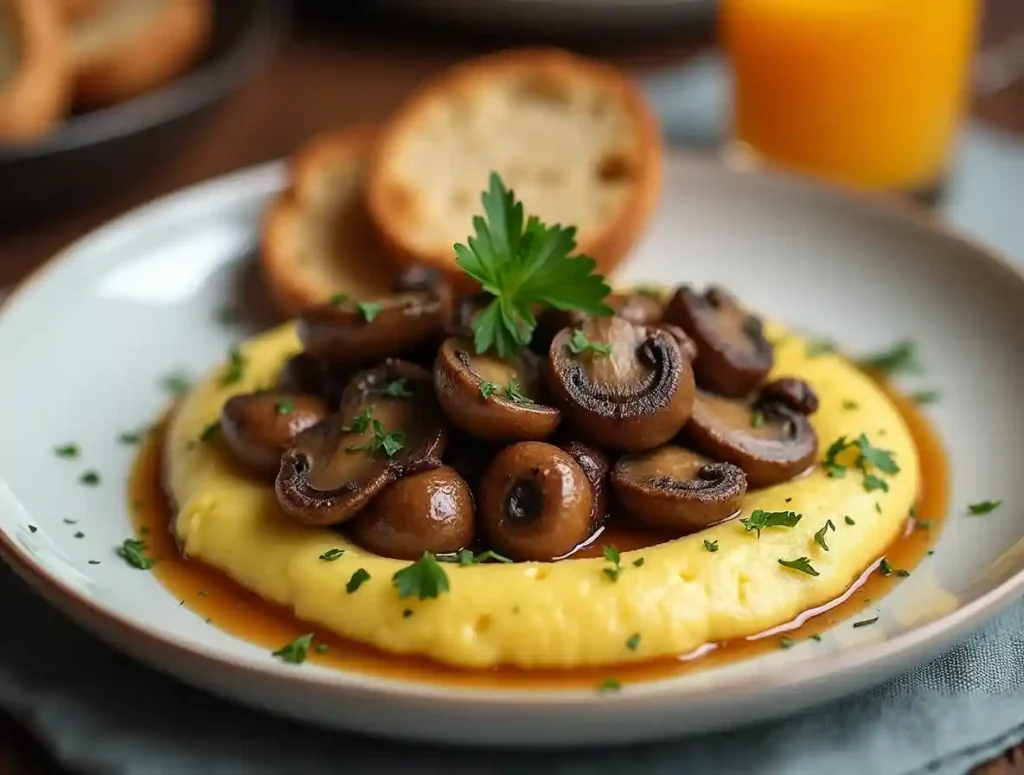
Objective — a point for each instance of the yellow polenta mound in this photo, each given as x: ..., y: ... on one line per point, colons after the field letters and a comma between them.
x: 563, y: 614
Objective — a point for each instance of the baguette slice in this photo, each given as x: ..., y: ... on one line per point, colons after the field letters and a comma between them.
x: 574, y: 138
x: 126, y: 47
x: 34, y: 69
x: 317, y: 240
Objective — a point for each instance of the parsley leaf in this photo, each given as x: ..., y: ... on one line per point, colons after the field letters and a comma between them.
x: 210, y: 431
x: 89, y: 478
x: 849, y: 520
x: 786, y: 643
x: 295, y: 653
x: 176, y: 384
x: 523, y: 264
x: 338, y: 299
x: 579, y: 343
x: 424, y: 578
x: 133, y: 552
x: 638, y: 562
x: 359, y: 423
x: 760, y: 519
x: 818, y: 347
x: 757, y: 418
x: 69, y: 451
x: 466, y: 557
x: 388, y: 443
x: 332, y: 554
x: 711, y: 546
x: 925, y: 397
x: 801, y: 564
x: 901, y: 357
x: 865, y: 622
x: 515, y: 394
x: 487, y: 389
x: 872, y: 483
x: 634, y: 641
x: 609, y: 685
x: 396, y: 388
x: 874, y: 456
x: 236, y: 368
x: 285, y: 406
x: 983, y: 507
x: 612, y: 555
x: 360, y: 577
x: 369, y: 309
x: 819, y: 537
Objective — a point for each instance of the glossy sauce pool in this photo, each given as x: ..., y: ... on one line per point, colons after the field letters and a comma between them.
x: 232, y: 608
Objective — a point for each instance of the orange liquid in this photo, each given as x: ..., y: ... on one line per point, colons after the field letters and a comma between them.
x: 234, y: 609
x: 865, y: 92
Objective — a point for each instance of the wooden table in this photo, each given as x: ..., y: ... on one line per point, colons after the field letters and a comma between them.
x: 319, y: 79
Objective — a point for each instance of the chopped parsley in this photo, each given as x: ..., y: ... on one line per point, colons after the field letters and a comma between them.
x: 887, y: 569
x: 89, y: 478
x: 32, y: 528
x: 760, y: 519
x: 69, y: 451
x: 613, y: 556
x: 236, y: 368
x: 863, y: 456
x: 94, y: 562
x: 466, y: 557
x: 515, y: 394
x: 925, y: 397
x: 338, y: 299
x: 819, y: 347
x: 609, y: 685
x: 786, y: 643
x: 406, y: 613
x: 360, y: 577
x: 819, y: 537
x: 133, y: 552
x: 321, y: 648
x: 872, y: 483
x: 849, y: 405
x: 332, y: 554
x: 757, y: 418
x: 359, y: 423
x: 983, y: 507
x: 711, y: 546
x: 801, y: 564
x: 849, y: 520
x: 369, y: 309
x: 177, y: 383
x: 70, y: 521
x: 295, y: 653
x: 397, y: 388
x: 388, y: 443
x: 816, y: 638
x: 210, y: 431
x: 285, y: 406
x: 579, y: 343
x: 79, y: 534
x: 865, y: 622
x: 901, y: 357
x: 423, y: 579
x: 634, y: 641
x: 487, y: 389
x: 522, y: 263
x: 638, y: 562
x: 132, y: 437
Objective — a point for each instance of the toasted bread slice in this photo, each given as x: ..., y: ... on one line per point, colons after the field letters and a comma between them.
x: 574, y: 138
x: 317, y: 240
x: 70, y: 10
x: 34, y: 69
x: 126, y: 47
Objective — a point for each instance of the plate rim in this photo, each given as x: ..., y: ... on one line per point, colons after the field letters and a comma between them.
x: 98, y: 618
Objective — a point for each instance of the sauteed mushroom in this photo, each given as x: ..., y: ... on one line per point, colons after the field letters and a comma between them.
x: 258, y: 427
x: 672, y: 488
x: 388, y: 426
x: 351, y: 331
x: 302, y: 373
x: 733, y: 356
x: 635, y: 307
x: 535, y: 502
x: 596, y: 467
x: 635, y: 397
x: 768, y: 440
x: 431, y: 511
x: 489, y: 397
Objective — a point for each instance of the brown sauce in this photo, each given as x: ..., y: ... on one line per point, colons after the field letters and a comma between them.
x: 232, y: 608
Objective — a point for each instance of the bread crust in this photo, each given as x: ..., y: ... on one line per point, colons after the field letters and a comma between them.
x: 609, y: 245
x: 370, y: 271
x: 36, y: 97
x: 70, y: 10
x: 150, y: 56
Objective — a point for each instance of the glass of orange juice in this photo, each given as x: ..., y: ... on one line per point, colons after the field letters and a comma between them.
x: 862, y: 92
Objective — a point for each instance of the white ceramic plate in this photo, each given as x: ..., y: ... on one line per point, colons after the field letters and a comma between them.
x: 86, y: 342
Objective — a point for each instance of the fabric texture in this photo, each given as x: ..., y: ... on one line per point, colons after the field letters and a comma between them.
x: 102, y: 712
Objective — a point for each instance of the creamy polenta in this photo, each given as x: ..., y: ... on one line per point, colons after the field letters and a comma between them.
x: 562, y: 614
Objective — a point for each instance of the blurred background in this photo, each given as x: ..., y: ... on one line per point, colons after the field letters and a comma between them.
x: 879, y: 94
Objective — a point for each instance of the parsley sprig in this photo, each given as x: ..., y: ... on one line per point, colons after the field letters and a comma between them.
x: 524, y: 263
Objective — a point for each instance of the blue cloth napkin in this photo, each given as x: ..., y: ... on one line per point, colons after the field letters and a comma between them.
x: 102, y: 712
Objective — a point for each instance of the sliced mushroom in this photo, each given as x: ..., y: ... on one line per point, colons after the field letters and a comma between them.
x: 636, y: 307
x: 768, y: 440
x: 733, y: 356
x: 636, y: 397
x: 431, y: 511
x: 792, y: 393
x: 302, y: 373
x: 258, y: 427
x: 389, y: 425
x: 535, y: 502
x: 596, y: 466
x: 350, y: 331
x: 492, y: 398
x: 672, y: 488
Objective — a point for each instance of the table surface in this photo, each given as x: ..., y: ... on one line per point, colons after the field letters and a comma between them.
x: 319, y: 78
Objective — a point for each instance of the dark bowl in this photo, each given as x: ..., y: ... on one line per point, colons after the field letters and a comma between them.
x: 92, y: 154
